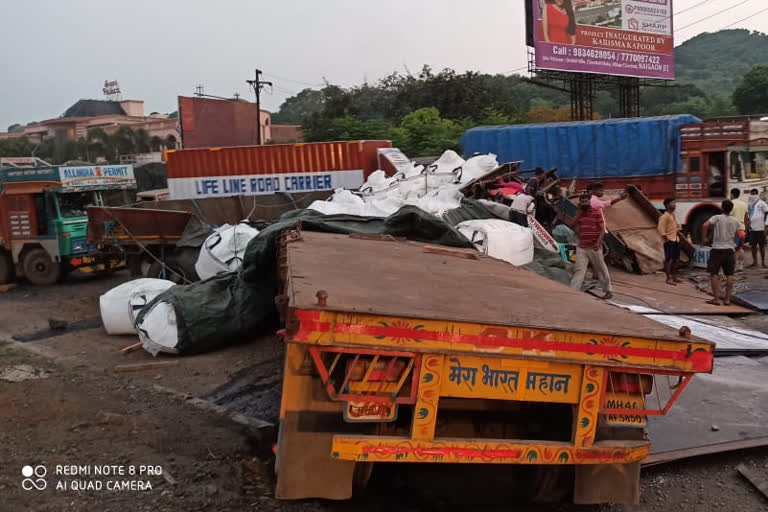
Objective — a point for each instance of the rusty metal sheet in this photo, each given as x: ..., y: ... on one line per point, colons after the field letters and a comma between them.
x: 724, y: 407
x: 400, y: 279
x: 216, y: 211
x: 628, y: 221
x: 141, y: 223
x: 652, y: 291
x: 708, y: 449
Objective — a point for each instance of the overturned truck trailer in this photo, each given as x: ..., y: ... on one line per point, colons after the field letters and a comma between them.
x: 402, y: 353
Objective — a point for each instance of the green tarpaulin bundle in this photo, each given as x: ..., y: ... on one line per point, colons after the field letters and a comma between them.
x: 239, y: 306
x: 236, y: 307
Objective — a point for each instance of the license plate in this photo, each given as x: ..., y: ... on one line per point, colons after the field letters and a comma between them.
x: 369, y: 412
x: 625, y: 401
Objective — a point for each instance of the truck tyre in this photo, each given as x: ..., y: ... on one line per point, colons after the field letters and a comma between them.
x: 39, y: 268
x: 694, y: 226
x: 6, y: 267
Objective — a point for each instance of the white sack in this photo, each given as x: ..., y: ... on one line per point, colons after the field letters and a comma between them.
x: 120, y: 305
x: 158, y: 330
x: 224, y: 250
x: 500, y: 239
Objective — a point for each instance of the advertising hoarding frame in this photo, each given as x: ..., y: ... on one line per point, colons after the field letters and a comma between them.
x: 574, y: 58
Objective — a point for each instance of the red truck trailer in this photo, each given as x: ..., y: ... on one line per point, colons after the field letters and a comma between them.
x: 266, y: 170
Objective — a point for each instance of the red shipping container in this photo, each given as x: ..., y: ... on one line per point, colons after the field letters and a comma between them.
x: 262, y: 170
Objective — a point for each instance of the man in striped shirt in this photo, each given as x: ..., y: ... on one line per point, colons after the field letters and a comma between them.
x: 590, y: 226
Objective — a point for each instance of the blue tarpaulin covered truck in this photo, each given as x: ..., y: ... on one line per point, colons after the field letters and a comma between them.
x: 667, y: 156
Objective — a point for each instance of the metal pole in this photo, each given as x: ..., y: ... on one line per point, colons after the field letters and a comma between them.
x: 257, y: 85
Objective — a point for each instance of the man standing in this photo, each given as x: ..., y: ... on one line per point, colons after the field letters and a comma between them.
x: 725, y: 227
x: 668, y: 229
x: 589, y: 251
x: 741, y: 214
x: 758, y: 210
x: 597, y: 191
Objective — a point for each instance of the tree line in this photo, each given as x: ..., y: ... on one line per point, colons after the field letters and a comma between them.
x: 97, y: 145
x: 426, y: 113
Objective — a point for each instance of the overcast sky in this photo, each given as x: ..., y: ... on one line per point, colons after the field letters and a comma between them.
x: 54, y: 52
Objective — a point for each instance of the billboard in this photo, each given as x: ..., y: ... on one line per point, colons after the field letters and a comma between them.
x: 609, y: 37
x: 95, y: 175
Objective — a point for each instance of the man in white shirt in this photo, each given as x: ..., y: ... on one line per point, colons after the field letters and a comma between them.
x: 523, y: 204
x: 758, y: 210
x: 722, y: 255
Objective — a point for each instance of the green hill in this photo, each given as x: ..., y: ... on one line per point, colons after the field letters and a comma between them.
x: 716, y: 62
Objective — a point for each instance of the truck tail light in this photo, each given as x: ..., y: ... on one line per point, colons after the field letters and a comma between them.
x: 376, y: 370
x: 360, y: 375
x: 631, y: 383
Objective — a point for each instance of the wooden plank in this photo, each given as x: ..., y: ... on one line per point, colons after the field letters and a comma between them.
x: 401, y: 280
x: 387, y: 238
x: 759, y: 481
x: 120, y: 368
x: 455, y: 253
x: 131, y: 348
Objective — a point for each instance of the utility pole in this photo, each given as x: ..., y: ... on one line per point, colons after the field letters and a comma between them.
x: 258, y: 84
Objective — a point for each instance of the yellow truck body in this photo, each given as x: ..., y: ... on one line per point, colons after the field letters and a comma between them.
x: 443, y: 356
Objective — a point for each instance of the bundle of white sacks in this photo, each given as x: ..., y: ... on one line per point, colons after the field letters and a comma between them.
x: 434, y: 189
x: 223, y: 251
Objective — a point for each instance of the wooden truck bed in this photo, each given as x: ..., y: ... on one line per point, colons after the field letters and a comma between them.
x: 395, y: 293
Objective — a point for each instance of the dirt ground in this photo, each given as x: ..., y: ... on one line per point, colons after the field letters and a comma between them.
x: 84, y: 414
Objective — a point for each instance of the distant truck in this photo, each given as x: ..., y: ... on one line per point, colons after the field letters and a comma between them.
x: 43, y: 220
x: 668, y: 156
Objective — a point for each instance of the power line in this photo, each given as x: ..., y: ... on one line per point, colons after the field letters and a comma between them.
x: 692, y: 7
x: 745, y: 19
x: 291, y: 80
x: 712, y: 15
x: 678, y: 13
x: 286, y: 91
x: 514, y: 70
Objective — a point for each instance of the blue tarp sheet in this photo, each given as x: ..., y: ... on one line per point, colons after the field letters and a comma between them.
x: 587, y: 149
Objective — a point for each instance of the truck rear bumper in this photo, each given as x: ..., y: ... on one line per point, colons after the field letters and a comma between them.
x: 465, y: 451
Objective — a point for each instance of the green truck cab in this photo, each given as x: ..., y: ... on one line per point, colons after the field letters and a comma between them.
x: 43, y: 219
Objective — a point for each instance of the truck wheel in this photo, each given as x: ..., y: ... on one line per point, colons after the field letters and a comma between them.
x: 695, y: 224
x: 6, y: 267
x: 39, y: 268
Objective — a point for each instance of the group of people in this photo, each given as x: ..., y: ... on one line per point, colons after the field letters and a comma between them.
x: 727, y: 232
